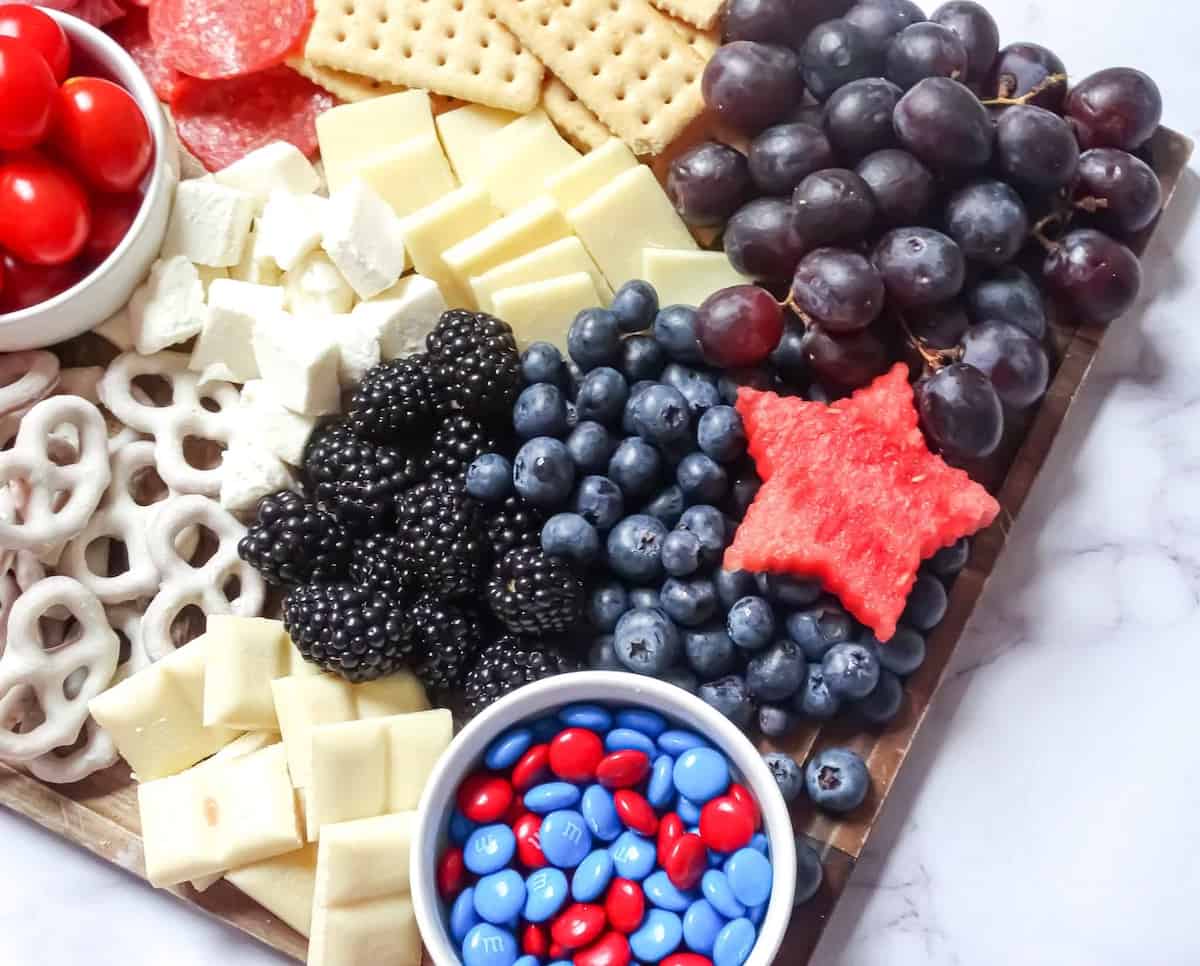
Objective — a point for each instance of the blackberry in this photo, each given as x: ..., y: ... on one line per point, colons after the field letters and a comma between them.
x: 357, y: 633
x: 446, y: 639
x: 357, y: 480
x: 394, y: 401
x: 533, y: 593
x: 456, y: 443
x: 292, y: 542
x: 510, y: 663
x: 515, y: 524
x: 475, y: 364
x: 440, y: 542
x: 377, y: 562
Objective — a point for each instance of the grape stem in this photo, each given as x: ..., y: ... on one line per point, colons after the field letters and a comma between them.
x: 935, y: 359
x: 1090, y: 204
x: 1047, y: 82
x: 1038, y: 232
x: 790, y: 303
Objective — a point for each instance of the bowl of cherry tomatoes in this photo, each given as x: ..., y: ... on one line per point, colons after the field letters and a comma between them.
x: 86, y: 176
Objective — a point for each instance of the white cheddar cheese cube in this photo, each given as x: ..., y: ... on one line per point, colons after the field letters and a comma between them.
x: 256, y: 265
x: 402, y: 316
x: 462, y: 132
x: 589, y: 174
x: 278, y: 166
x: 409, y: 175
x: 517, y: 233
x: 688, y: 277
x: 316, y: 288
x: 522, y: 156
x: 245, y: 654
x: 441, y: 225
x: 358, y: 347
x: 628, y: 214
x: 299, y: 363
x: 283, y: 885
x: 250, y: 471
x: 209, y: 223
x: 227, y: 337
x: 168, y: 307
x: 543, y: 311
x: 351, y: 132
x: 290, y: 227
x: 563, y: 257
x: 272, y: 424
x: 362, y: 238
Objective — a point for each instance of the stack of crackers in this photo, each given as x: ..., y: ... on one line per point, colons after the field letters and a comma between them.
x: 597, y: 67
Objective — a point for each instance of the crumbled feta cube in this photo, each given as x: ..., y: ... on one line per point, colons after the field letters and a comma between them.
x: 275, y: 166
x: 316, y: 289
x: 358, y: 344
x: 225, y: 348
x: 363, y: 239
x: 168, y: 307
x: 209, y: 223
x: 248, y: 473
x: 280, y: 430
x: 290, y: 227
x: 300, y: 363
x: 256, y: 265
x: 403, y: 315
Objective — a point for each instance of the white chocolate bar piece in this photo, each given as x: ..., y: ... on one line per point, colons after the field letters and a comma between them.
x: 283, y: 885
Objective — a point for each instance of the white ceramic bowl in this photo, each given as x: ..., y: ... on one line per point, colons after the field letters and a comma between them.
x: 616, y: 689
x: 108, y: 287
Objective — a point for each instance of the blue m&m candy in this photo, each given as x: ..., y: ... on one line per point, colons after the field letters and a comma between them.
x: 546, y: 892
x: 749, y: 873
x: 621, y: 738
x: 634, y: 856
x: 500, y: 896
x: 664, y: 894
x: 489, y: 849
x: 463, y: 917
x: 701, y: 924
x: 701, y: 774
x: 592, y: 877
x: 550, y: 797
x: 600, y: 812
x: 657, y: 937
x: 719, y: 892
x: 675, y: 741
x: 565, y: 838
x: 594, y: 717
x: 660, y: 790
x: 507, y: 750
x: 733, y: 943
x: 488, y: 945
x: 650, y: 723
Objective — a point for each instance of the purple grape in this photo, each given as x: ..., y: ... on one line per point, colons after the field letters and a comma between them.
x: 708, y: 183
x: 977, y: 31
x: 925, y: 50
x: 881, y: 20
x: 988, y: 221
x: 942, y: 123
x: 960, y: 412
x: 1019, y: 68
x: 749, y: 85
x: 1035, y: 148
x: 1015, y: 363
x: 761, y: 240
x: 1098, y: 275
x: 919, y: 266
x: 1115, y: 108
x: 738, y: 326
x: 835, y: 53
x: 838, y: 289
x: 777, y: 21
x: 783, y: 155
x: 940, y: 326
x: 902, y: 186
x: 834, y: 205
x: 1009, y: 295
x: 858, y: 117
x: 845, y: 362
x: 1126, y: 188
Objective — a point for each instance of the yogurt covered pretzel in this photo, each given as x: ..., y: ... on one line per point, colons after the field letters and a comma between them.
x: 26, y: 377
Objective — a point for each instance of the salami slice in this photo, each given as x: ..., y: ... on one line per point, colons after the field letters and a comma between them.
x: 217, y: 39
x: 222, y: 121
x: 99, y: 13
x: 133, y: 33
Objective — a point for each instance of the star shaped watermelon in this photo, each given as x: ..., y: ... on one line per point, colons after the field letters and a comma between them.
x: 851, y: 496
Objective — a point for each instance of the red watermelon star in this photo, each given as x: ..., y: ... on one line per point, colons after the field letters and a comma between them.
x: 851, y: 496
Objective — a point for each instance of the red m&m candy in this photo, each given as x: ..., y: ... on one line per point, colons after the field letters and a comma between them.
x: 726, y: 824
x: 611, y: 949
x: 529, y: 848
x: 485, y: 798
x: 686, y: 861
x: 578, y: 925
x: 686, y: 959
x: 451, y: 873
x: 622, y: 769
x: 635, y: 812
x: 575, y: 753
x: 534, y: 941
x: 670, y: 830
x: 532, y: 767
x: 741, y: 795
x: 625, y: 905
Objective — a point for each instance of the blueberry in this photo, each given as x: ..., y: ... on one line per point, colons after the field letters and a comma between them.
x: 572, y: 415
x: 681, y: 553
x: 598, y: 500
x: 543, y: 472
x: 635, y: 548
x: 660, y: 415
x: 681, y: 677
x: 667, y: 505
x: 809, y: 873
x: 789, y: 591
x: 707, y: 523
x: 814, y: 699
x: 729, y: 696
x: 646, y: 641
x: 926, y: 603
x: 540, y: 411
x: 777, y: 673
x: 751, y: 623
x: 851, y: 670
x: 709, y: 651
x: 688, y: 602
x: 602, y: 655
x: 628, y: 426
x: 731, y: 380
x: 490, y: 478
x: 542, y: 362
x: 642, y: 358
x: 635, y: 305
x: 644, y: 597
x: 816, y: 629
x: 742, y: 491
x: 950, y: 560
x: 602, y: 396
x: 607, y: 602
x: 721, y: 434
x: 570, y: 535
x: 701, y: 478
x: 776, y: 721
x: 837, y: 780
x: 699, y: 388
x: 788, y: 775
x: 591, y: 447
x: 882, y: 704
x: 733, y: 585
x: 904, y: 653
x: 675, y: 330
x: 594, y: 339
x: 635, y: 467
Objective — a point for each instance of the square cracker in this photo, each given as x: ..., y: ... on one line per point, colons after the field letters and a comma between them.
x: 449, y: 46
x: 622, y: 58
x: 703, y: 42
x: 354, y: 88
x: 699, y: 13
x: 571, y: 116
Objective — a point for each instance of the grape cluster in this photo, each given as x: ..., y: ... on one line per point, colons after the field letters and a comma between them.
x: 914, y: 189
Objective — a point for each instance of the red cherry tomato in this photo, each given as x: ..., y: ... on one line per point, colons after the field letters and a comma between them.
x: 45, y: 217
x: 38, y: 31
x: 103, y: 133
x: 112, y: 216
x: 26, y: 285
x: 27, y: 96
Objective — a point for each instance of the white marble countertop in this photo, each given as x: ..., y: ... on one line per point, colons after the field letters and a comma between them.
x: 1048, y: 811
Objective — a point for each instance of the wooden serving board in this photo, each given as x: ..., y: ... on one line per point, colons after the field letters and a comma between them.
x: 100, y: 813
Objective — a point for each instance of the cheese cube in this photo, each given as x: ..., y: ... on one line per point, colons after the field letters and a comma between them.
x: 316, y: 288
x: 563, y: 257
x: 462, y: 132
x: 283, y: 885
x: 227, y: 337
x: 409, y: 175
x: 250, y: 471
x: 522, y: 157
x: 116, y: 329
x: 517, y: 233
x: 589, y: 174
x: 688, y: 277
x: 362, y: 238
x: 441, y: 225
x: 209, y: 223
x: 351, y: 132
x: 276, y: 427
x: 245, y: 654
x: 628, y: 214
x: 299, y: 363
x: 209, y: 275
x: 358, y: 347
x: 290, y: 227
x: 402, y: 316
x: 256, y: 265
x: 278, y: 166
x: 544, y: 311
x: 168, y: 307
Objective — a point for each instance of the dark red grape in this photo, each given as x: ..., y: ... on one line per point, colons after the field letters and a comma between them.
x: 749, y: 85
x: 1009, y: 295
x: 858, y: 117
x: 902, y: 186
x: 881, y: 20
x: 1019, y: 68
x: 1126, y: 186
x: 919, y: 266
x: 942, y: 123
x: 813, y: 114
x: 838, y: 289
x: 835, y: 53
x: 960, y: 412
x: 938, y: 326
x: 834, y: 205
x: 738, y: 326
x: 977, y: 31
x: 1115, y: 108
x: 1098, y: 275
x: 925, y: 50
x: 846, y: 362
x: 1035, y: 148
x: 777, y: 21
x: 761, y: 240
x: 708, y: 183
x: 988, y: 221
x: 783, y: 155
x: 1014, y: 362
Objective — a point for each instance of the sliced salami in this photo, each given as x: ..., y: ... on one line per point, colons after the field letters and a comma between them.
x: 219, y: 39
x: 133, y: 33
x: 222, y: 121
